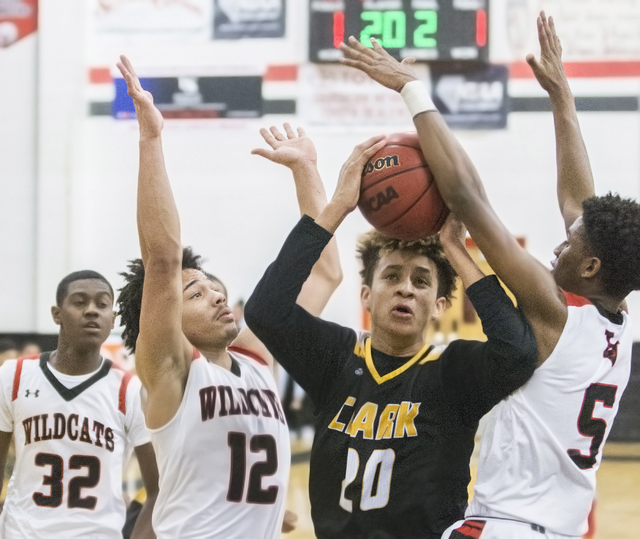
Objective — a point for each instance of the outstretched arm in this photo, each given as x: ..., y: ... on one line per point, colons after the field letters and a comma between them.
x: 162, y: 351
x: 575, y: 179
x: 462, y: 190
x: 297, y: 152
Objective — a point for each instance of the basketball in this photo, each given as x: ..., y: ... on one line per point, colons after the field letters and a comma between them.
x: 398, y: 194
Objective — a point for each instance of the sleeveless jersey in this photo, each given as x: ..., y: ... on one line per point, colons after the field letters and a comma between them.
x: 543, y: 444
x: 224, y: 458
x: 70, y: 445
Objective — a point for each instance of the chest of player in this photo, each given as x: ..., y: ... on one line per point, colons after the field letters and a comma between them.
x: 89, y: 419
x: 245, y: 399
x: 365, y: 407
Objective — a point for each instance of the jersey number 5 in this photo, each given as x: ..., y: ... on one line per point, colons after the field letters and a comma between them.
x: 54, y: 481
x: 255, y: 494
x: 376, y: 481
x: 590, y: 426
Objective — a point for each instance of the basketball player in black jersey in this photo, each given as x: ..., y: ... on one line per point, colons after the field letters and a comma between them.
x: 396, y: 418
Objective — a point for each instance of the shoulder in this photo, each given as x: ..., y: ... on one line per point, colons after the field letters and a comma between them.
x: 248, y: 354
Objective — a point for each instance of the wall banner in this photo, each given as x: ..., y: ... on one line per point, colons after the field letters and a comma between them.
x: 18, y: 19
x: 238, y: 19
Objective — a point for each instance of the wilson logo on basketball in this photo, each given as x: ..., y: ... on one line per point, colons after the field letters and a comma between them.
x: 379, y: 164
x: 380, y: 199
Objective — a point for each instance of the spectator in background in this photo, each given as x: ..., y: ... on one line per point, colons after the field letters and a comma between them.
x: 8, y: 350
x: 29, y: 348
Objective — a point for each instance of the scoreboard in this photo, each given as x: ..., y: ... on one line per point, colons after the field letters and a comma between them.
x: 428, y: 30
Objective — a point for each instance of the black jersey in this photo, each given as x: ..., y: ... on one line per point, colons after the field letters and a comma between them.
x: 394, y: 436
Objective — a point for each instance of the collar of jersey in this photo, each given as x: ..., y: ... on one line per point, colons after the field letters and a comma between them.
x: 66, y: 393
x: 424, y: 351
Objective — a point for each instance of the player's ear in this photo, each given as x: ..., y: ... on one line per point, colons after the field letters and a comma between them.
x: 439, y: 307
x: 55, y: 314
x: 589, y: 267
x: 365, y: 295
x: 114, y: 315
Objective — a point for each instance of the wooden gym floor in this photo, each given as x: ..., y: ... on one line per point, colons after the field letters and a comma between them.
x: 618, y: 502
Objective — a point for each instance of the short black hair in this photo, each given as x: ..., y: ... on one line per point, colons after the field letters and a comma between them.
x: 130, y: 298
x: 612, y: 229
x: 63, y: 286
x: 373, y: 245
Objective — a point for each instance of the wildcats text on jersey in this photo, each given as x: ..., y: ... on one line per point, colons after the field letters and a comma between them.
x: 238, y: 401
x: 395, y: 420
x: 69, y: 426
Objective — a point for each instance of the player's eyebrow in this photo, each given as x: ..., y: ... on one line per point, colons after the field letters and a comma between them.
x: 192, y: 282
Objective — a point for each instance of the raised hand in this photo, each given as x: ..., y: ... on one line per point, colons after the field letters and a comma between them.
x: 348, y: 189
x: 149, y: 117
x: 548, y: 70
x: 291, y: 150
x: 453, y: 233
x: 378, y: 63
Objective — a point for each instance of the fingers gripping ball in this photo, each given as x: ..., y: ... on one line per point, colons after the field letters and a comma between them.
x: 398, y: 194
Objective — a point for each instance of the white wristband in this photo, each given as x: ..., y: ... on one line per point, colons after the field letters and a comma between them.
x: 417, y: 98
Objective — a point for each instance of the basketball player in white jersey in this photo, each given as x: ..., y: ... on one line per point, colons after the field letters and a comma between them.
x: 75, y: 417
x: 213, y: 409
x: 539, y: 455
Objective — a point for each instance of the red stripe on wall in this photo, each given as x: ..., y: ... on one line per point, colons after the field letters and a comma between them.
x: 281, y: 73
x: 521, y: 70
x: 100, y: 75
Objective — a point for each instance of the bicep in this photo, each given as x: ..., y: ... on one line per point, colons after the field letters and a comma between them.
x: 161, y: 348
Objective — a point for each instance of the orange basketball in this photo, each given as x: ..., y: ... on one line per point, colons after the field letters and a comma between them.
x: 398, y: 194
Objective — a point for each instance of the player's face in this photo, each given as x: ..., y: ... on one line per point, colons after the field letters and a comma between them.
x: 206, y: 318
x: 403, y: 297
x: 570, y: 256
x: 86, y: 316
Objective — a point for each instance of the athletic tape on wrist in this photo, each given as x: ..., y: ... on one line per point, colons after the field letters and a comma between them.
x: 417, y: 98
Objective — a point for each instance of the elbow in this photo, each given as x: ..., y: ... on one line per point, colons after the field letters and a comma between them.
x: 163, y: 263
x: 254, y: 316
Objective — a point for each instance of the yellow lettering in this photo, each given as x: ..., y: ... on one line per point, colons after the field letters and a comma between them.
x: 364, y: 421
x: 385, y: 426
x: 335, y: 424
x: 404, y: 422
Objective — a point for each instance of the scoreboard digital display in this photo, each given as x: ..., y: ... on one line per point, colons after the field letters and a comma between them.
x: 428, y: 30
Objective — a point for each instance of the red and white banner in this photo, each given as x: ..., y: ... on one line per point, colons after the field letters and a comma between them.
x: 18, y: 19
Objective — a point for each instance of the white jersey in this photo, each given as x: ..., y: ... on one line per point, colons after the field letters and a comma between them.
x: 71, y: 439
x: 224, y: 458
x: 543, y: 444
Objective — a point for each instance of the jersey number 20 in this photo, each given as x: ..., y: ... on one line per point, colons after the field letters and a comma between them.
x: 376, y: 481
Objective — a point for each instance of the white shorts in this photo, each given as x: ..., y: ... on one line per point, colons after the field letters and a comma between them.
x: 496, y: 528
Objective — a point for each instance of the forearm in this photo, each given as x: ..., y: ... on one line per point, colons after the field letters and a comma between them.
x: 158, y: 220
x: 454, y: 173
x: 327, y: 273
x: 275, y: 295
x: 575, y: 179
x: 143, y: 528
x: 465, y: 267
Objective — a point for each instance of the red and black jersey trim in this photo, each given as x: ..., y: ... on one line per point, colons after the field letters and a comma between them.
x: 18, y: 374
x: 70, y: 394
x: 249, y: 353
x: 469, y: 529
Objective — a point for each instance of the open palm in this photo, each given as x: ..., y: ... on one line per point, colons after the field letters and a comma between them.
x: 149, y: 117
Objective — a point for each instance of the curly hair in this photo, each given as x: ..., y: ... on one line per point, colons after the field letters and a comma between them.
x: 130, y: 298
x: 373, y: 245
x: 612, y: 229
